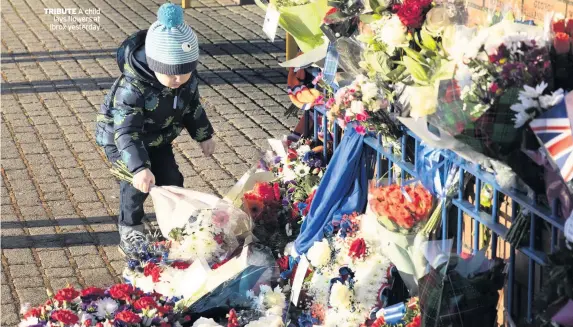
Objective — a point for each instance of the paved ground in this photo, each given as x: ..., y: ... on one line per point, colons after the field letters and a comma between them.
x: 58, y: 199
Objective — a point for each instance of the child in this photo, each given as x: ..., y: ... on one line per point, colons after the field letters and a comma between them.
x: 146, y: 109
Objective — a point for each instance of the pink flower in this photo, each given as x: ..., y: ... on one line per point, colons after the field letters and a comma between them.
x: 329, y: 103
x: 362, y: 116
x: 220, y: 218
x: 319, y: 100
x: 352, y: 91
x: 360, y: 130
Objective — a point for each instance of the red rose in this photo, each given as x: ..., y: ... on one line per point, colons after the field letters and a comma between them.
x: 292, y: 155
x: 99, y: 324
x: 180, y: 265
x: 65, y: 316
x: 87, y: 322
x: 121, y: 291
x: 128, y: 317
x: 395, y: 8
x: 165, y: 309
x: 92, y: 291
x: 66, y: 294
x: 411, y: 14
x: 357, y: 248
x: 559, y: 26
x: 569, y: 27
x: 283, y: 263
x: 152, y: 270
x: 562, y: 43
x: 34, y: 312
x: 145, y: 303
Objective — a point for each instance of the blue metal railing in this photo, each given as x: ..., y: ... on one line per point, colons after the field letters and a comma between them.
x: 538, y: 214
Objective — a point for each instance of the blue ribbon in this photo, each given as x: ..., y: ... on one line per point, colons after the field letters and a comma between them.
x: 394, y: 314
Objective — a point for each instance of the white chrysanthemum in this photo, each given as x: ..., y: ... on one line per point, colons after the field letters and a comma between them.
x: 369, y: 91
x: 144, y: 283
x: 319, y: 254
x: 548, y: 101
x: 302, y: 150
x: 533, y: 92
x: 521, y: 118
x: 106, y: 307
x: 320, y: 288
x: 390, y: 31
x: 275, y: 301
x: 30, y: 321
x: 204, y: 322
x: 340, y: 296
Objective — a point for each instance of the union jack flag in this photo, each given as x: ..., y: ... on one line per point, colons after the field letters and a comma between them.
x: 553, y: 128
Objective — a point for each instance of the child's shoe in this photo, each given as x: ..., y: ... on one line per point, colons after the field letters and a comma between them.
x: 130, y: 237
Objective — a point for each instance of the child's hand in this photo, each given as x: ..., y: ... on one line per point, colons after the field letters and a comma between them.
x: 143, y: 180
x: 208, y: 147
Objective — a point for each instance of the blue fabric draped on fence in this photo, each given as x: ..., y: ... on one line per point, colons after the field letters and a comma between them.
x: 343, y: 190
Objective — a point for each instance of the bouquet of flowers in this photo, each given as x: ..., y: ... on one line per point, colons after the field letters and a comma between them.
x: 361, y: 104
x: 349, y: 277
x: 398, y: 220
x: 119, y: 305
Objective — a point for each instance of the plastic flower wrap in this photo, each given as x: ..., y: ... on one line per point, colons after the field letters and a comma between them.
x: 561, y: 31
x: 395, y: 221
x: 120, y: 304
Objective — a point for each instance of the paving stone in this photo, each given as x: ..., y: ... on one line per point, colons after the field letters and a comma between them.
x: 9, y: 315
x: 83, y: 250
x: 99, y: 277
x: 60, y: 272
x: 59, y: 283
x: 54, y: 259
x: 18, y: 256
x: 28, y: 282
x: 89, y: 261
x: 27, y: 270
x: 6, y: 295
x: 33, y: 296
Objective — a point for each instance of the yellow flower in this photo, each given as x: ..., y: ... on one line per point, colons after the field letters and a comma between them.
x: 423, y: 101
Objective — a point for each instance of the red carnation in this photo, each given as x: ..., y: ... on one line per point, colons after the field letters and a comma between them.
x: 67, y: 294
x: 66, y: 317
x: 153, y: 270
x: 92, y: 291
x: 87, y: 322
x: 283, y: 263
x: 357, y: 248
x: 277, y: 191
x: 416, y: 322
x: 121, y: 291
x: 292, y: 155
x: 379, y: 322
x: 559, y: 26
x: 145, y: 303
x: 128, y: 317
x: 180, y: 265
x: 561, y: 43
x: 163, y: 310
x: 34, y: 312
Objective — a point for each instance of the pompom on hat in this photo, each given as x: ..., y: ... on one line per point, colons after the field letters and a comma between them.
x: 171, y: 46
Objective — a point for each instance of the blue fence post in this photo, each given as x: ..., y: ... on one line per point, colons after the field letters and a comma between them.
x: 531, y: 268
x: 477, y: 210
x: 460, y: 212
x: 495, y: 219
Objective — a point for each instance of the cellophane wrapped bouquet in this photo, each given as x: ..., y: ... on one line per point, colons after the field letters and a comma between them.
x: 397, y: 219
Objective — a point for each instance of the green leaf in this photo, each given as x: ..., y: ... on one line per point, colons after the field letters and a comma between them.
x: 414, y: 55
x: 368, y: 39
x: 445, y: 71
x: 416, y: 70
x: 428, y: 41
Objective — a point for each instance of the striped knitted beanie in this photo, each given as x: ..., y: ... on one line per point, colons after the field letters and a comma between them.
x: 171, y: 47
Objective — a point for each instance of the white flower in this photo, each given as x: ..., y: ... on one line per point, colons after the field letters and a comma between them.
x: 437, y: 19
x: 369, y: 91
x: 521, y: 118
x: 106, y: 307
x: 391, y: 32
x: 357, y: 107
x: 319, y: 254
x: 548, y: 101
x: 204, y: 322
x: 30, y: 321
x: 531, y: 92
x: 274, y: 301
x: 267, y: 321
x: 340, y: 296
x: 301, y: 151
x: 144, y: 283
x: 301, y: 170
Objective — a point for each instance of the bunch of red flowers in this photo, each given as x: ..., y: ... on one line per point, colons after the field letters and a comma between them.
x: 404, y: 207
x: 563, y: 35
x: 412, y: 13
x: 263, y: 202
